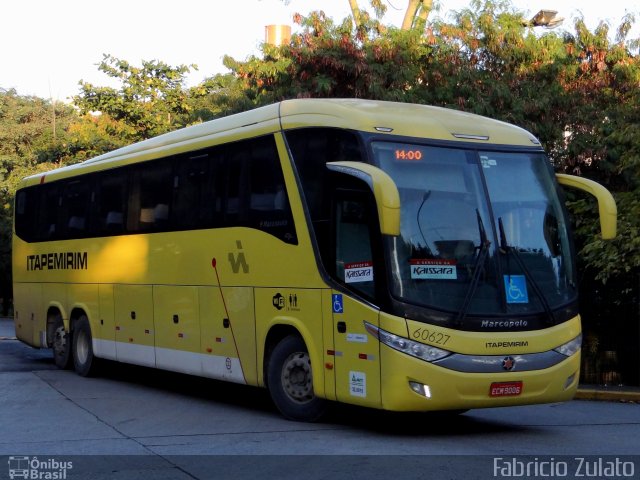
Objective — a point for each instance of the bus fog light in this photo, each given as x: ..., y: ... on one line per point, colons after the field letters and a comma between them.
x: 420, y: 389
x: 569, y: 381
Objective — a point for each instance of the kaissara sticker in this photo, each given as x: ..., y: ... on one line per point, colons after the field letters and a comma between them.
x: 433, y: 269
x: 358, y: 272
x: 358, y: 384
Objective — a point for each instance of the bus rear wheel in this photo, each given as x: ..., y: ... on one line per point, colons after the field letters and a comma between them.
x: 85, y: 364
x: 61, y: 344
x: 290, y: 381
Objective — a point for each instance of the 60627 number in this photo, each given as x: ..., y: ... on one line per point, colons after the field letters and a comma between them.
x: 431, y: 336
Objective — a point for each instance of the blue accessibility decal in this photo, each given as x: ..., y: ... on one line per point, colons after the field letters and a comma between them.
x: 336, y: 300
x: 515, y: 287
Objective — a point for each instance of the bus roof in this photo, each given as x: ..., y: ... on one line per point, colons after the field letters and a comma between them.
x: 373, y: 116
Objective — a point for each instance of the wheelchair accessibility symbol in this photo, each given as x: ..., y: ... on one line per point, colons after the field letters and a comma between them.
x: 336, y: 300
x: 515, y: 287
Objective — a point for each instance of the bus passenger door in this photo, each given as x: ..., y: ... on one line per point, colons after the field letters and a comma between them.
x: 357, y: 353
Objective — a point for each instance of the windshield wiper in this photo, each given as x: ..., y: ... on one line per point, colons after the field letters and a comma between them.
x: 478, y: 269
x: 505, y: 249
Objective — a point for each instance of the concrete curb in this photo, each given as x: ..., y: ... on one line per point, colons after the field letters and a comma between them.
x: 604, y: 394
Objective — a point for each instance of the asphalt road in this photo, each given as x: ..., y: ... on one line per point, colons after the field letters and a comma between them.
x: 135, y: 422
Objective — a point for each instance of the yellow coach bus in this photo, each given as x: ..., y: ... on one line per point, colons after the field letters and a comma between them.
x: 394, y: 256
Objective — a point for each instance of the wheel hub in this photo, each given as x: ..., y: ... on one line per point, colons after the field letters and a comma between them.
x: 296, y: 377
x: 60, y: 341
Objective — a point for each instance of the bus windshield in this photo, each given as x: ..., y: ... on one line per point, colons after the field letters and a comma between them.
x: 482, y: 232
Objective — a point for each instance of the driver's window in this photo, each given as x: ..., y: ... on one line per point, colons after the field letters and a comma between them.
x: 354, y: 256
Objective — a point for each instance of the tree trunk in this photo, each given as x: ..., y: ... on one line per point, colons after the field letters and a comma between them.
x: 417, y: 13
x: 410, y: 14
x: 355, y: 11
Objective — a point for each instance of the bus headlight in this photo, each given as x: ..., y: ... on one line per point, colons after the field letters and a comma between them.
x: 570, y: 347
x: 404, y: 345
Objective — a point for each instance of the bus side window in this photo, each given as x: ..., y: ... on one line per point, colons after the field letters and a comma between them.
x: 151, y: 197
x: 48, y: 225
x: 269, y: 209
x: 109, y: 202
x: 26, y: 210
x: 76, y: 202
x: 195, y: 191
x: 256, y: 196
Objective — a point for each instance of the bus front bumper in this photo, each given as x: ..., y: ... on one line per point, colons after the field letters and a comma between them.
x: 424, y: 386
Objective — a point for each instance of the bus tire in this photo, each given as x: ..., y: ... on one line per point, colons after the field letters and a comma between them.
x: 84, y: 363
x: 290, y: 381
x: 61, y: 344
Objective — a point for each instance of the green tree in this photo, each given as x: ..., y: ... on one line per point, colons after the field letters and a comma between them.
x: 150, y: 100
x: 31, y: 130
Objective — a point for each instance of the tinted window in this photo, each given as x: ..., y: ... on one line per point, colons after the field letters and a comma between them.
x: 239, y: 184
x: 196, y: 184
x: 150, y: 197
x: 75, y: 208
x: 47, y: 223
x: 109, y: 207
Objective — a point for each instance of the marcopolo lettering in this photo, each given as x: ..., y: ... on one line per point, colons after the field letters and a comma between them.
x: 58, y: 261
x: 504, y: 323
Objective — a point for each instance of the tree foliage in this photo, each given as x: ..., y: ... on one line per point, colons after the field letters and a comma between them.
x: 150, y: 100
x: 31, y: 131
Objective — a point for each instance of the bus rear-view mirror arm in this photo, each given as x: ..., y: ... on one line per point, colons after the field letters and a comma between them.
x: 384, y: 191
x: 606, y: 203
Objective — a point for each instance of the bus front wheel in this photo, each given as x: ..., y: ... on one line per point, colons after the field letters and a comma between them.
x: 290, y: 381
x: 83, y: 360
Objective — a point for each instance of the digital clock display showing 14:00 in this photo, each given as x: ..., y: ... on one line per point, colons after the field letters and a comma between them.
x: 412, y: 155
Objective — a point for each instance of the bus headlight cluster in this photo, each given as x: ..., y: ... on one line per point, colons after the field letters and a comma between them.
x: 404, y: 345
x: 570, y: 347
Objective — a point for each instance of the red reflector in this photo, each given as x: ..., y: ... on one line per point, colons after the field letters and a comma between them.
x: 505, y: 389
x: 362, y: 356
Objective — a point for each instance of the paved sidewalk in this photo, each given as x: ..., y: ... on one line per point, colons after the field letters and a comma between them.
x: 585, y: 392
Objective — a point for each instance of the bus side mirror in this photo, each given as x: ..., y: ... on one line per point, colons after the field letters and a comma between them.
x: 384, y: 191
x: 606, y: 203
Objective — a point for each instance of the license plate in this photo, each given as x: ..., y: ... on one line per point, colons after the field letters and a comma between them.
x: 505, y: 389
